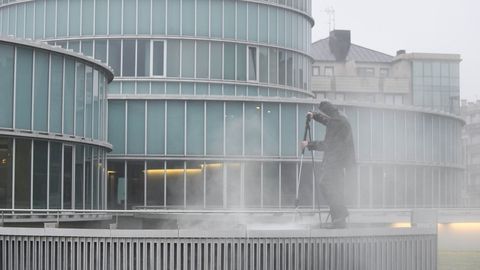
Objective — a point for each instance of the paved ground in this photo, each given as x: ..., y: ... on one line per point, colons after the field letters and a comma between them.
x: 458, y: 260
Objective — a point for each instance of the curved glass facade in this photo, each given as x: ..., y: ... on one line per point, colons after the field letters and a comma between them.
x: 208, y: 105
x: 52, y: 128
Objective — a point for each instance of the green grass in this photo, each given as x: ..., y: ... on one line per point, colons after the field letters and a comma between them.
x: 458, y: 260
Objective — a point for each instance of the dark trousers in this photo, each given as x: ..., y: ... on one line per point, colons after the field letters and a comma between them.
x: 331, y: 185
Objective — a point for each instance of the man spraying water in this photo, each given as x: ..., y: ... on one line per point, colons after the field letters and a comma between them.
x: 339, y: 157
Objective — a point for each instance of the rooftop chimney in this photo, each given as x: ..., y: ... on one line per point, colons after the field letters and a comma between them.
x: 339, y: 43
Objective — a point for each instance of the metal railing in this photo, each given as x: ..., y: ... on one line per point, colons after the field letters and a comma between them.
x: 312, y: 249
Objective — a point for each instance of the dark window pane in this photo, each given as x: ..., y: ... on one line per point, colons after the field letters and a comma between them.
x: 155, y: 183
x: 22, y: 173
x: 40, y: 167
x: 55, y: 175
x: 175, y: 184
x: 128, y: 65
x: 116, y: 185
x: 6, y: 147
x: 143, y: 58
x: 79, y: 179
x: 135, y: 184
x: 158, y: 58
x: 67, y: 177
x: 114, y: 55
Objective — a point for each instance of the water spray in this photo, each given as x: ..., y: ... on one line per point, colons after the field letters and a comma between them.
x: 307, y: 132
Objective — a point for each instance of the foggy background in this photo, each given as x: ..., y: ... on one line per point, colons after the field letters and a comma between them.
x: 432, y: 26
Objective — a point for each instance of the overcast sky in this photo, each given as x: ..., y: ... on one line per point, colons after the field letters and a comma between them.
x: 439, y: 26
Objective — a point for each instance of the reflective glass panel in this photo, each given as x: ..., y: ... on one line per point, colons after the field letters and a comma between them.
x: 144, y: 9
x: 136, y: 127
x: 115, y: 14
x: 6, y: 79
x: 158, y: 21
x: 129, y: 17
x: 173, y: 17
x: 158, y: 58
x: 56, y: 93
x: 173, y: 59
x: 101, y: 7
x: 87, y: 16
x: 41, y: 91
x: 203, y: 10
x: 188, y: 53
x: 23, y: 98
x: 155, y: 127
x: 195, y: 130
x: 202, y: 59
x: 188, y: 17
x: 116, y: 126
x: 175, y: 127
x: 234, y: 128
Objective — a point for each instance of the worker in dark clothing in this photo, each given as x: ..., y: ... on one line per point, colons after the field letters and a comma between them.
x: 339, y: 157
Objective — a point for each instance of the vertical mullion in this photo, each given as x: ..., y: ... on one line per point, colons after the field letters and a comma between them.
x: 48, y: 175
x: 145, y: 183
x: 164, y: 183
x: 31, y: 173
x: 184, y: 184
x: 49, y: 90
x: 85, y: 102
x: 15, y: 55
x: 83, y: 175
x: 125, y: 184
x: 145, y: 129
x: 126, y: 128
x: 74, y: 179
x: 62, y: 176
x: 63, y: 98
x: 13, y: 172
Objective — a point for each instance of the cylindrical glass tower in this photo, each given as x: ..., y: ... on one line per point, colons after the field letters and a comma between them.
x: 52, y: 128
x: 206, y: 107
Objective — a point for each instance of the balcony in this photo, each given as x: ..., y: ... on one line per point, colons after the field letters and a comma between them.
x: 361, y: 84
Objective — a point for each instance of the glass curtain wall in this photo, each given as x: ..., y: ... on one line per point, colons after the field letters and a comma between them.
x: 45, y: 178
x: 50, y: 93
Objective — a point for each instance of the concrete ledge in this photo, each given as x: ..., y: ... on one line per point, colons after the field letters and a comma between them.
x: 255, y: 233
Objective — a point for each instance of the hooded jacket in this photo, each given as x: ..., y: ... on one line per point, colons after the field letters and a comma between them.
x: 338, y: 147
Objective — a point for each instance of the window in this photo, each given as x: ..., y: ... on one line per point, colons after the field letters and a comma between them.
x: 365, y: 72
x: 128, y: 69
x: 384, y: 72
x: 252, y: 64
x: 315, y: 71
x: 158, y: 58
x: 328, y: 71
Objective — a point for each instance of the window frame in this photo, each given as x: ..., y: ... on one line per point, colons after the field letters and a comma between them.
x: 317, y: 69
x: 256, y: 63
x: 384, y: 72
x: 325, y: 68
x: 151, y: 73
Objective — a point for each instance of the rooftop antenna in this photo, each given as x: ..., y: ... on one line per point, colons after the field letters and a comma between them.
x: 331, y: 18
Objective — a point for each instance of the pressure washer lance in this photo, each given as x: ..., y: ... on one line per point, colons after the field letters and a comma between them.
x: 305, y: 133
